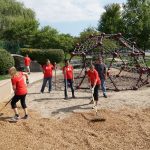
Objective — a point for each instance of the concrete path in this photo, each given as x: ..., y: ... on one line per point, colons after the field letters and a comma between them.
x: 6, y: 87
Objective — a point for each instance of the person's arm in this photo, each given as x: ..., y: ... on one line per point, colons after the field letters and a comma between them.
x: 89, y: 80
x: 105, y: 72
x: 96, y: 77
x: 72, y: 73
x: 54, y: 66
x: 14, y: 88
x: 26, y: 76
x: 13, y: 84
x: 43, y: 69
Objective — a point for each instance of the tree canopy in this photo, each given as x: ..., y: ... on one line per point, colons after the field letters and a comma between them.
x: 111, y: 19
x: 132, y: 20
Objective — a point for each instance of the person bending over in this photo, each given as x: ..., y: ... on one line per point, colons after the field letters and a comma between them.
x: 68, y: 78
x: 20, y: 91
x: 94, y: 81
x: 48, y: 72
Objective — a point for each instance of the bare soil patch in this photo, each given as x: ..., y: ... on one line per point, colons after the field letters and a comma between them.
x: 60, y: 124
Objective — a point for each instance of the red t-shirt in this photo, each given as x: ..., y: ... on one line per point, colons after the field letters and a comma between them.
x: 48, y: 70
x: 18, y: 81
x: 68, y: 72
x: 27, y: 61
x: 93, y: 75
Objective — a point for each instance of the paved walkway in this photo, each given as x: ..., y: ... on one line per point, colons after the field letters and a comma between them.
x: 6, y: 88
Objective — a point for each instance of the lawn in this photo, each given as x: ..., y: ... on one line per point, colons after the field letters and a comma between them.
x: 148, y: 60
x: 3, y: 77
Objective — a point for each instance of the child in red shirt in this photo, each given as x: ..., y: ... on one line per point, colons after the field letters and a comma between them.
x: 20, y: 90
x: 68, y: 78
x: 27, y: 62
x: 48, y: 73
x: 94, y: 81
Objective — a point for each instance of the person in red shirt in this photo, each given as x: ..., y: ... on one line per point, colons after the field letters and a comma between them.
x: 20, y: 91
x: 94, y: 81
x: 27, y: 62
x: 68, y: 78
x: 48, y: 73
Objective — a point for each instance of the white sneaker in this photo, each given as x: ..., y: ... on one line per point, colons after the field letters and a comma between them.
x: 15, y: 118
x: 94, y: 107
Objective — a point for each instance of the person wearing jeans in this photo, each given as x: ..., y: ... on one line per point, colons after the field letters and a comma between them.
x: 68, y: 78
x: 101, y: 69
x: 47, y: 71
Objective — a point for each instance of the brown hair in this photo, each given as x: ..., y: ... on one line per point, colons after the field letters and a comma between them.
x: 13, y: 71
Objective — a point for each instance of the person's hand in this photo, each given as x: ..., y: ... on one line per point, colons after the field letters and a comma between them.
x: 92, y: 89
x: 27, y: 81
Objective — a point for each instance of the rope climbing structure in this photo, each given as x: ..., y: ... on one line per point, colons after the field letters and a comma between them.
x: 126, y: 65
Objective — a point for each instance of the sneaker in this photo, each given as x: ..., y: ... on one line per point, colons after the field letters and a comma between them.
x: 66, y: 98
x: 15, y: 118
x: 105, y: 95
x: 25, y: 117
x: 94, y: 107
x: 73, y: 96
x: 91, y: 102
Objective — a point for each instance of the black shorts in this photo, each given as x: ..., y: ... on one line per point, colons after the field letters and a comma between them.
x: 95, y: 94
x: 16, y: 98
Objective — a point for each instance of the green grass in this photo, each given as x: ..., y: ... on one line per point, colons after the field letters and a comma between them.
x: 148, y: 63
x: 3, y: 77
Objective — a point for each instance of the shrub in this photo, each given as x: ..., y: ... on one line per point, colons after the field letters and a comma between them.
x: 6, y: 61
x: 54, y: 55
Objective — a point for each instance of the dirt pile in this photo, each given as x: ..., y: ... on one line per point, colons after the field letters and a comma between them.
x: 122, y: 130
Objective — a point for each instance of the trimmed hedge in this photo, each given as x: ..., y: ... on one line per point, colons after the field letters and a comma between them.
x: 54, y: 55
x: 6, y: 61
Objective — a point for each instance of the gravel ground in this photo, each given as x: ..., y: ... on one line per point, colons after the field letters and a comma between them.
x: 53, y: 104
x: 123, y: 122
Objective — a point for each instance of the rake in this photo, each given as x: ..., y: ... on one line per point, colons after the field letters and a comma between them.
x: 4, y: 107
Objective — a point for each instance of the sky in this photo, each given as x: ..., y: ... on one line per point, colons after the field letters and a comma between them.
x: 69, y: 16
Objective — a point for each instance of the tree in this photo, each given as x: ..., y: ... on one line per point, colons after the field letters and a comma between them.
x: 21, y: 31
x: 136, y: 17
x: 46, y: 38
x: 17, y: 23
x: 87, y: 32
x: 66, y: 42
x: 111, y: 20
x: 10, y: 11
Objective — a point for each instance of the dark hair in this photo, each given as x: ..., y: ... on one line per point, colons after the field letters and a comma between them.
x: 66, y: 60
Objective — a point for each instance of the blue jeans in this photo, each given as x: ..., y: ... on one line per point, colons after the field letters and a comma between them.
x: 103, y: 86
x: 44, y: 84
x: 70, y: 83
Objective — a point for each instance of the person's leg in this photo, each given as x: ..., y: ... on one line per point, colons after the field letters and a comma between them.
x: 72, y: 88
x: 96, y: 94
x: 24, y: 106
x: 92, y: 95
x: 15, y: 99
x: 103, y: 85
x: 44, y: 84
x: 66, y: 84
x: 28, y: 69
x: 50, y: 84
